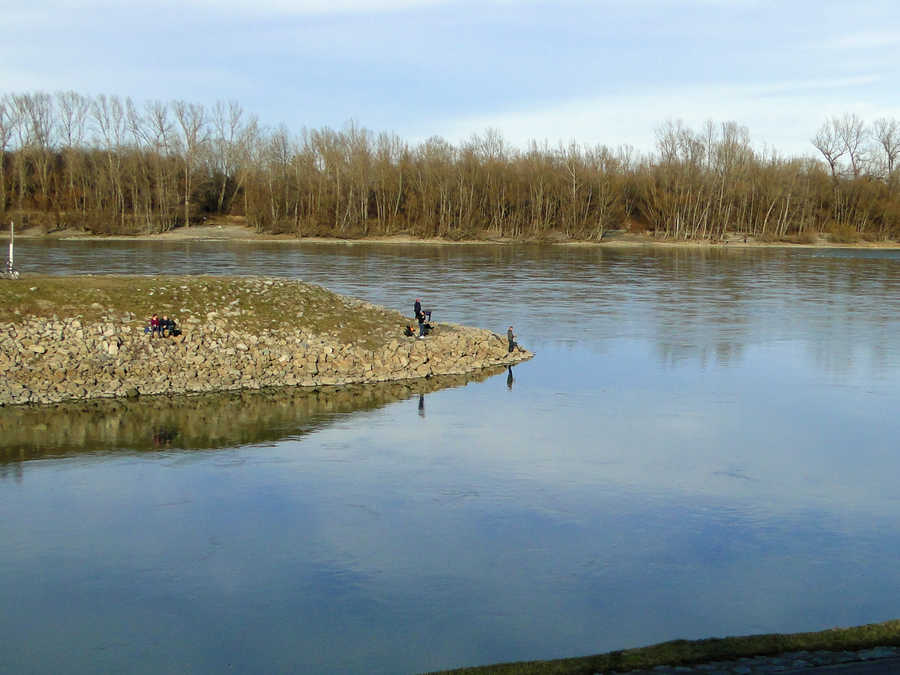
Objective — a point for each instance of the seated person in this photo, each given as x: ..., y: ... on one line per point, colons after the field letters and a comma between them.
x: 153, y: 328
x: 167, y: 326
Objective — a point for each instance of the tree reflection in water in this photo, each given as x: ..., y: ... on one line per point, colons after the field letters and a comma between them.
x: 200, y: 422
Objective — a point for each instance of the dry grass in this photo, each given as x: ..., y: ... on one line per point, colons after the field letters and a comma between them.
x: 842, y: 233
x: 251, y: 304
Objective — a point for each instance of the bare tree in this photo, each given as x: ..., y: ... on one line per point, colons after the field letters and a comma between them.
x: 391, y: 157
x: 495, y: 156
x: 278, y: 154
x: 112, y: 125
x: 887, y: 134
x: 828, y: 141
x: 232, y: 134
x: 574, y: 162
x: 38, y: 119
x: 192, y: 122
x: 358, y: 159
x: 73, y: 111
x: 160, y: 136
x: 9, y: 122
x: 853, y: 136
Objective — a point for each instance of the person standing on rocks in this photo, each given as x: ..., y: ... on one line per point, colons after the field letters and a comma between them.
x: 511, y: 337
x: 417, y: 310
x: 421, y: 319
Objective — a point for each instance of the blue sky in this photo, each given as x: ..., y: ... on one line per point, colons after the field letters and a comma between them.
x: 590, y: 71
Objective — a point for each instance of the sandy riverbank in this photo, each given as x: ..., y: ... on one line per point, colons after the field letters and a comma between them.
x: 234, y: 231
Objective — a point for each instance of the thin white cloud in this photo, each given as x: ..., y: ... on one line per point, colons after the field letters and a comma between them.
x: 285, y: 7
x: 456, y: 67
x: 815, y: 84
x: 780, y: 115
x: 868, y: 40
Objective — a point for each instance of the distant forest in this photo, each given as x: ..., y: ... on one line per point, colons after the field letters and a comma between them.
x: 106, y: 165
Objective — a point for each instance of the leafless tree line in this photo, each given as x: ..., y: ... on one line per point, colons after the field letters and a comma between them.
x: 108, y: 165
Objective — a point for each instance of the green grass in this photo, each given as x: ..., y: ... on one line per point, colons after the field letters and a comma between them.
x: 684, y: 652
x: 250, y: 304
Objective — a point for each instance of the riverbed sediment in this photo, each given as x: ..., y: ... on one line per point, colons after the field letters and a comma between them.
x: 235, y: 333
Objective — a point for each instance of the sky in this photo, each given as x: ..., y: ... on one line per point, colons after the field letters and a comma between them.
x: 589, y: 71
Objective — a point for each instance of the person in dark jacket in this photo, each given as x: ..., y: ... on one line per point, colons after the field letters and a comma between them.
x: 421, y: 319
x: 511, y: 337
x: 417, y: 310
x: 167, y: 327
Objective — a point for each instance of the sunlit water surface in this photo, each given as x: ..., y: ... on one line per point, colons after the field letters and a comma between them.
x: 704, y: 445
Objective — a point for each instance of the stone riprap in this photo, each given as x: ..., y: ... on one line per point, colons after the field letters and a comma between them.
x: 53, y: 359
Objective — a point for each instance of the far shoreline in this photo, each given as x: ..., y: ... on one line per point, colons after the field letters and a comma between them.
x: 237, y: 233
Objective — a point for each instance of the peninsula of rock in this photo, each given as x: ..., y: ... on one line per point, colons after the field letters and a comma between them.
x: 83, y: 337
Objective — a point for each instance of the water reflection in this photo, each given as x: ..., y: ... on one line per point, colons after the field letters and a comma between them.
x: 200, y: 422
x: 703, y: 305
x: 703, y: 445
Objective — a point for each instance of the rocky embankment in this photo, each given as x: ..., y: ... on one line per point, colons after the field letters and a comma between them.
x: 52, y: 359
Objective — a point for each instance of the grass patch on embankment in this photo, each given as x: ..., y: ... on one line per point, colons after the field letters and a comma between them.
x: 686, y: 652
x: 250, y: 304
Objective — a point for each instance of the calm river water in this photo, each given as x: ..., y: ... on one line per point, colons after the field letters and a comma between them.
x: 706, y: 444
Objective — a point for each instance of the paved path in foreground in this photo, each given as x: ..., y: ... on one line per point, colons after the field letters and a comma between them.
x: 875, y: 661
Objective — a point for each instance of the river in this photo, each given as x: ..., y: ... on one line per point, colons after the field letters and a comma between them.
x: 705, y: 444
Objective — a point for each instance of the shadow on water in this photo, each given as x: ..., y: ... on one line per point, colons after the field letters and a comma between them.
x: 198, y: 422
